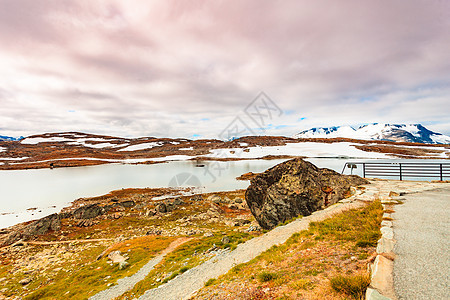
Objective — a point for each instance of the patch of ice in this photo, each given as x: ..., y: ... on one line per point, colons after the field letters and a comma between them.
x: 14, y: 158
x: 2, y: 149
x: 37, y: 140
x: 307, y: 149
x: 142, y: 146
x: 172, y: 157
x: 186, y: 149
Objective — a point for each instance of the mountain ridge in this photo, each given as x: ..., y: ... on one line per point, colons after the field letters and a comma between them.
x: 414, y: 133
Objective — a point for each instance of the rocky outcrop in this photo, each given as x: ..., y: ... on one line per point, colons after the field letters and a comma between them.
x: 88, y: 211
x: 38, y: 227
x: 294, y: 188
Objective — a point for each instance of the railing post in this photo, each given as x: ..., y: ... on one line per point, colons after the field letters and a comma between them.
x: 401, y: 177
x: 364, y: 170
x: 440, y: 171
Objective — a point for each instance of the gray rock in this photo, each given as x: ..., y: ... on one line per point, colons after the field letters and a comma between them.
x: 25, y: 281
x: 150, y: 212
x: 225, y: 240
x: 178, y: 201
x: 88, y: 211
x: 238, y: 200
x: 127, y: 204
x: 294, y: 188
x: 162, y: 208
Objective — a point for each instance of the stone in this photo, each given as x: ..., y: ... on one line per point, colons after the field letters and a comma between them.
x: 387, y: 216
x: 215, y: 199
x: 127, y: 204
x: 178, y: 201
x: 386, y: 223
x: 197, y: 198
x: 387, y: 232
x: 393, y: 194
x: 116, y: 256
x: 25, y: 281
x: 123, y: 265
x: 208, y: 234
x: 373, y: 294
x: 241, y: 222
x: 382, y: 279
x: 238, y: 200
x: 150, y: 212
x: 293, y: 188
x: 385, y: 245
x: 162, y: 208
x: 225, y: 240
x: 88, y: 211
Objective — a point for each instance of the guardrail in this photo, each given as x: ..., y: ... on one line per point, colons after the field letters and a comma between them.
x: 401, y: 169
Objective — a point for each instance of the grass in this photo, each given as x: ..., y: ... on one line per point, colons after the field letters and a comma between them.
x: 351, y: 285
x: 328, y: 261
x: 267, y: 276
x: 184, y: 258
x: 89, y: 275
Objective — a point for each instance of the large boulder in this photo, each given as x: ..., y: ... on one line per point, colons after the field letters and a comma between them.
x: 295, y: 187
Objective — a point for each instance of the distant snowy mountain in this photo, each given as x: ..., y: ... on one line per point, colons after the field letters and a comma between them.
x: 414, y: 133
x: 9, y: 138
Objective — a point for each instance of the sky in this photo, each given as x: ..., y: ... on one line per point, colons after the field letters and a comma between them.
x: 195, y: 69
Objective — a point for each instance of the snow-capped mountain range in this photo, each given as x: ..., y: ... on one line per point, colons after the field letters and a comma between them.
x: 414, y: 133
x: 10, y: 138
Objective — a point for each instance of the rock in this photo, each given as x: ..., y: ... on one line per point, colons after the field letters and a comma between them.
x: 238, y: 200
x: 253, y: 228
x: 241, y: 222
x: 88, y: 211
x: 197, y: 198
x: 85, y: 223
x: 215, y: 199
x: 123, y: 265
x: 162, y: 208
x: 19, y: 243
x: 116, y: 256
x: 25, y: 281
x: 208, y: 234
x: 382, y: 278
x: 233, y: 206
x: 225, y: 240
x: 150, y: 212
x: 294, y: 188
x: 178, y: 201
x: 127, y: 204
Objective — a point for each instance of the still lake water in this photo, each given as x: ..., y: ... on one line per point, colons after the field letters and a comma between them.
x: 51, y: 190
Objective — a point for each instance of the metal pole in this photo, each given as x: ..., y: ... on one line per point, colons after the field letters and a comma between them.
x: 401, y: 178
x: 364, y: 170
x: 440, y: 173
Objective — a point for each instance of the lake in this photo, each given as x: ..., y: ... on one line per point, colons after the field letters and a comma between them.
x: 50, y: 190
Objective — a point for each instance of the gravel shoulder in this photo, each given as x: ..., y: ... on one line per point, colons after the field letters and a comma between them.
x: 421, y: 228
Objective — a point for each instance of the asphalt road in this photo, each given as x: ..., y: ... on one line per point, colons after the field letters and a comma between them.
x: 422, y: 263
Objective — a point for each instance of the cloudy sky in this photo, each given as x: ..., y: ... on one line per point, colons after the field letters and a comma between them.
x: 189, y: 68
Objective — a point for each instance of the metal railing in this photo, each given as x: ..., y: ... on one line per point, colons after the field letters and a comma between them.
x: 401, y: 170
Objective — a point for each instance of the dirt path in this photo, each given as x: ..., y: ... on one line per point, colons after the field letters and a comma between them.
x: 127, y: 283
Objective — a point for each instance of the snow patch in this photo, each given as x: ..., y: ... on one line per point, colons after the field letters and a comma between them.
x: 142, y: 146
